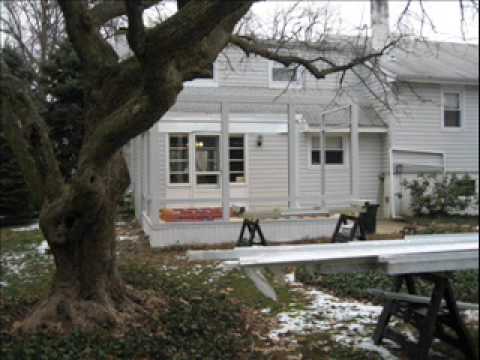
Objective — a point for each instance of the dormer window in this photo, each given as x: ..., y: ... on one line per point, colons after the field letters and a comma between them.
x: 281, y: 76
x: 452, y: 109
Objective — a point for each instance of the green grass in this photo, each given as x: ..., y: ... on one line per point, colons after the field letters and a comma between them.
x: 444, y: 222
x: 321, y: 346
x: 26, y: 272
x: 355, y: 285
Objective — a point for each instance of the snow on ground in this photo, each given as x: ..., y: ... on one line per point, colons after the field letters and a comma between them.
x: 12, y: 262
x: 349, y: 323
x: 31, y: 227
x: 42, y: 248
x: 127, y: 237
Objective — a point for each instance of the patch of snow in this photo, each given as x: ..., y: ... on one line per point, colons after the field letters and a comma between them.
x: 3, y: 283
x: 350, y: 323
x: 368, y: 345
x: 31, y: 227
x: 125, y: 237
x: 290, y: 277
x: 12, y: 262
x: 471, y: 316
x: 42, y: 248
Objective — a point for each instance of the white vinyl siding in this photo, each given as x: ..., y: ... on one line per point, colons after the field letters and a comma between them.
x: 268, y: 169
x: 416, y: 125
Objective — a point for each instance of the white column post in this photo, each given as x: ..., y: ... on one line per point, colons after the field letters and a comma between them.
x: 355, y: 150
x: 393, y: 214
x: 323, y: 159
x: 225, y: 109
x: 292, y: 157
x: 155, y: 184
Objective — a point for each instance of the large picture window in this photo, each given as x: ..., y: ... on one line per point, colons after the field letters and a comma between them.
x: 178, y: 159
x: 334, y: 150
x: 205, y: 150
x: 236, y: 158
x: 452, y: 112
x: 207, y: 159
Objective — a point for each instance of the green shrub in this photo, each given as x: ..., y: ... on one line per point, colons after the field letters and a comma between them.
x: 440, y: 195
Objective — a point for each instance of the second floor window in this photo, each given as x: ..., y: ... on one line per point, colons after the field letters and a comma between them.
x: 281, y: 76
x: 452, y: 111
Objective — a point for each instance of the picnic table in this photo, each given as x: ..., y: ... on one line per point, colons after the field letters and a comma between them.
x: 431, y: 258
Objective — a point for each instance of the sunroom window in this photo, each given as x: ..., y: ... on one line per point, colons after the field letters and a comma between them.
x: 178, y: 158
x: 452, y: 112
x: 334, y: 150
x: 236, y: 158
x: 207, y: 159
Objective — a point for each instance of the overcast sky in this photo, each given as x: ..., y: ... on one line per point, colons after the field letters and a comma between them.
x: 445, y: 15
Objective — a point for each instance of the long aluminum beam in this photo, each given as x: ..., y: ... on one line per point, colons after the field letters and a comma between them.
x: 314, y: 249
x: 415, y: 254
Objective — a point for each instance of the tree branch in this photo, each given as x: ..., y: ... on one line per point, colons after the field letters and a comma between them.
x: 250, y: 46
x: 108, y: 10
x: 190, y: 25
x: 160, y: 79
x: 92, y: 50
x: 136, y: 28
x: 27, y: 135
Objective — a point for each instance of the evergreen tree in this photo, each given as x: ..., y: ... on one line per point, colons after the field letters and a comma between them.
x: 15, y: 198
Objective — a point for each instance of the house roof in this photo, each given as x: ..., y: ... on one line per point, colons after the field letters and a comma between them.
x: 434, y: 62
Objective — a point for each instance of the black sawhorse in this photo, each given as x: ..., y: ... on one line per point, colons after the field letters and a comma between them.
x: 357, y: 232
x: 253, y: 226
x: 430, y: 316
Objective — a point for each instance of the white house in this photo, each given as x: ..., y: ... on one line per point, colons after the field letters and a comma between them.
x: 249, y: 137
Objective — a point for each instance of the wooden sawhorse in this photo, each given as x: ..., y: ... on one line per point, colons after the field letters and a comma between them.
x: 357, y: 231
x: 431, y: 316
x: 253, y: 226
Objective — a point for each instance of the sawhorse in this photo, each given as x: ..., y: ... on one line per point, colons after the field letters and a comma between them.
x: 430, y: 316
x: 357, y: 231
x: 253, y: 227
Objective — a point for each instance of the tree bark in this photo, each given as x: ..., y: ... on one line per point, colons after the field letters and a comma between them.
x: 79, y: 226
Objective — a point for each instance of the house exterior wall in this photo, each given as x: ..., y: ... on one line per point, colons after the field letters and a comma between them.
x: 417, y: 124
x: 414, y: 124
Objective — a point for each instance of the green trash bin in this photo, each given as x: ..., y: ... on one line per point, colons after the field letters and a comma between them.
x: 369, y: 217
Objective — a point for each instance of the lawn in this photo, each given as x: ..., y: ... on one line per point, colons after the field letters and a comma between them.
x: 209, y: 312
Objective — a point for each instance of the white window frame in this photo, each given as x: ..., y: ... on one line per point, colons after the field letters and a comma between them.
x: 461, y: 101
x: 192, y: 172
x: 205, y: 82
x: 276, y: 84
x: 334, y: 166
x: 194, y: 162
x: 169, y: 183
x: 245, y: 166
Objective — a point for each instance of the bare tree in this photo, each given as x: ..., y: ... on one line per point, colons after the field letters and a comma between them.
x: 125, y: 98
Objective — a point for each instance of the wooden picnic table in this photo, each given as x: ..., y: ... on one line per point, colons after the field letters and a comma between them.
x: 430, y: 258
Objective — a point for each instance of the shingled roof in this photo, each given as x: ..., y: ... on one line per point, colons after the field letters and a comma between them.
x: 434, y: 62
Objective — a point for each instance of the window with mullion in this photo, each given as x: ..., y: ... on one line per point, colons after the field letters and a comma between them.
x: 236, y: 151
x: 452, y: 112
x: 334, y: 150
x: 178, y: 159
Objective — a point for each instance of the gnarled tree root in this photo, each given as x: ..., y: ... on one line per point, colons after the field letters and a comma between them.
x: 64, y: 311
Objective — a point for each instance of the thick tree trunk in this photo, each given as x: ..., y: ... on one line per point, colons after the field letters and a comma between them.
x: 87, y: 291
